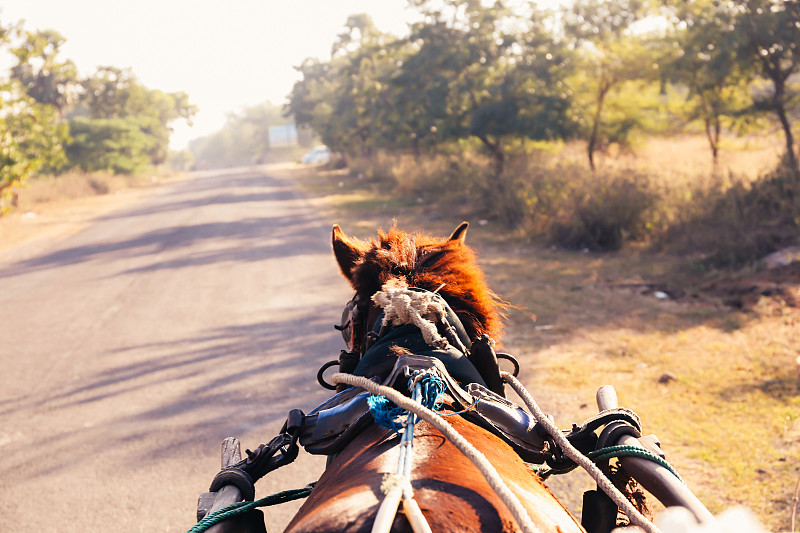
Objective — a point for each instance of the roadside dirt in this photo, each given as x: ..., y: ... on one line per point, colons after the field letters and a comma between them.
x: 49, y: 221
x: 766, y: 290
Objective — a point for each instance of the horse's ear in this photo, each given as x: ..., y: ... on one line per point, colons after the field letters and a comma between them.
x: 460, y: 234
x: 347, y: 252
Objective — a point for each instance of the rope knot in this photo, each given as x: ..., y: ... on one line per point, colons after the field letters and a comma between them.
x: 402, y: 305
x: 392, y: 482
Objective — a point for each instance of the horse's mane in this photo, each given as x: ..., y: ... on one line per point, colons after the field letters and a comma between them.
x: 447, y: 266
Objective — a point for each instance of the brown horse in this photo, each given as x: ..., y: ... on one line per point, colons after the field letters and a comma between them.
x: 452, y: 493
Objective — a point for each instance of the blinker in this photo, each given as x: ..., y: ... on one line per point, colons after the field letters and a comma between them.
x: 350, y: 319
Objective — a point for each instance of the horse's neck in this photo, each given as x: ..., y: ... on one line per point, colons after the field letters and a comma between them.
x: 452, y: 493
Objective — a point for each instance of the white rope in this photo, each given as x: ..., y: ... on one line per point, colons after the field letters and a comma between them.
x: 401, y: 305
x: 573, y: 453
x: 388, y: 510
x: 395, y: 485
x: 478, y: 459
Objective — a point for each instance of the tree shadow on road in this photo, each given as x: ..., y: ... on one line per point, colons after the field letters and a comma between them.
x: 173, y: 396
x: 236, y: 241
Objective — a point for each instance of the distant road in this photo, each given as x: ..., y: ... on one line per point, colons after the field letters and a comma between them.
x: 131, y: 349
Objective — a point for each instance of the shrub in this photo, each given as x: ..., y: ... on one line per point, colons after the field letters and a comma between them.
x: 118, y: 145
x: 602, y: 211
x: 730, y: 226
x: 443, y: 175
x: 377, y: 168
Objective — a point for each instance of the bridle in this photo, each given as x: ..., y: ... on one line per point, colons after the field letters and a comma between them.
x: 352, y: 325
x: 358, y: 320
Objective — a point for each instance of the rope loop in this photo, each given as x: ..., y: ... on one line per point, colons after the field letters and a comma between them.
x: 432, y: 389
x: 632, y: 451
x: 610, y: 452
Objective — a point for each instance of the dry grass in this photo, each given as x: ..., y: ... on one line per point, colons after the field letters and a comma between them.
x: 659, y: 194
x: 729, y: 421
x: 687, y: 157
x: 53, y: 206
x: 73, y: 185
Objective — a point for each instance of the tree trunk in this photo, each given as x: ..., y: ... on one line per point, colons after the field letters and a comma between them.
x: 509, y: 208
x: 496, y: 149
x: 592, y: 144
x: 779, y: 105
x: 713, y: 134
x: 780, y: 110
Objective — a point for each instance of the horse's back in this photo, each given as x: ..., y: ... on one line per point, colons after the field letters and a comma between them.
x: 451, y: 492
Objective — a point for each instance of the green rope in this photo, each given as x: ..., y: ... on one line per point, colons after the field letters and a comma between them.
x: 632, y: 451
x: 610, y: 452
x: 242, y: 507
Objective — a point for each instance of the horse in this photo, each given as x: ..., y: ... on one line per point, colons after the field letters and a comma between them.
x: 449, y: 490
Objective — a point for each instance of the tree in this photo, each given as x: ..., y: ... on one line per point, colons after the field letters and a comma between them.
x: 31, y: 138
x: 470, y: 77
x: 311, y: 100
x: 46, y: 79
x: 706, y: 63
x: 772, y: 40
x: 113, y: 93
x: 346, y: 99
x: 609, y: 53
x: 31, y: 133
x: 118, y: 145
x: 460, y: 74
x: 527, y: 98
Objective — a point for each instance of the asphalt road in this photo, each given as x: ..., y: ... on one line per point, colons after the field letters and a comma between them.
x: 131, y: 349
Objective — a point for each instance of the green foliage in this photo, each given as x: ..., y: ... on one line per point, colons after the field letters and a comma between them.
x: 118, y: 145
x: 31, y: 139
x: 116, y: 123
x: 347, y: 100
x: 31, y: 134
x: 458, y: 75
x: 113, y: 93
x: 45, y: 78
x: 772, y: 40
x: 609, y: 54
x: 475, y: 82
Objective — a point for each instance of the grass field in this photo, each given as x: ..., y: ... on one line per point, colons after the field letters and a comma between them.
x: 718, y: 383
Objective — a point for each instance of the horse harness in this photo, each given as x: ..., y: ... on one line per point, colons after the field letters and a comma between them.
x: 331, y: 426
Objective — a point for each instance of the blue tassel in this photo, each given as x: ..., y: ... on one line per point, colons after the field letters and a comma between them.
x: 385, y: 413
x: 389, y: 416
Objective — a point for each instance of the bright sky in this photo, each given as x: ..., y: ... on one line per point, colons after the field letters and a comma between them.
x: 225, y: 55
